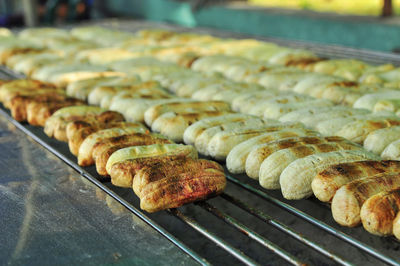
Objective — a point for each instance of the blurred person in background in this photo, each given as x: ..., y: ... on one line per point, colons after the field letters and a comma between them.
x: 49, y: 12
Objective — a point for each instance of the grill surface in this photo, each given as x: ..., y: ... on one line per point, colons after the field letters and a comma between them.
x: 246, y: 224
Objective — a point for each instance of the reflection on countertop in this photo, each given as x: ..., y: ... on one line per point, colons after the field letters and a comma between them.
x: 52, y: 215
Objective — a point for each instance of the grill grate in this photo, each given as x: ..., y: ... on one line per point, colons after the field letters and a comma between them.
x: 308, y: 223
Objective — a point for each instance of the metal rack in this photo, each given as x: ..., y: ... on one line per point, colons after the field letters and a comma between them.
x: 246, y: 224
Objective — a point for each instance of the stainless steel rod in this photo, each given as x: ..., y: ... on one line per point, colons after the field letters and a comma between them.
x: 251, y: 234
x: 267, y: 219
x: 320, y: 224
x: 220, y: 242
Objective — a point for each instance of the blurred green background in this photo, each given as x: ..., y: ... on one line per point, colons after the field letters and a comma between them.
x: 357, y: 7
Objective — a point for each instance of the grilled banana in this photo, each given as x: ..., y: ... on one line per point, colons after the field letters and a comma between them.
x: 154, y: 112
x: 78, y: 131
x: 149, y: 151
x: 392, y: 151
x: 275, y: 111
x: 223, y: 142
x: 103, y: 150
x: 358, y: 130
x: 347, y: 202
x: 326, y: 183
x: 182, y: 188
x: 313, y: 120
x: 85, y: 153
x: 296, y: 178
x: 379, y: 139
x: 173, y: 125
x: 236, y: 159
x: 379, y: 211
x: 194, y: 130
x: 396, y: 226
x: 55, y: 125
x: 38, y: 112
x: 165, y: 170
x: 275, y: 162
x: 204, y: 138
x: 259, y: 108
x: 124, y: 163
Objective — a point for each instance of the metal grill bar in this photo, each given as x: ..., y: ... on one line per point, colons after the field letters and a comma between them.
x: 250, y: 233
x: 223, y: 244
x: 316, y: 222
x: 267, y: 219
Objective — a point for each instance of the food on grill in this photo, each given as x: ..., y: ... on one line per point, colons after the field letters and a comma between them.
x: 261, y: 79
x: 18, y: 104
x: 85, y: 153
x: 388, y: 105
x: 155, y: 111
x: 300, y: 114
x: 262, y: 151
x: 275, y: 111
x: 78, y: 131
x: 165, y: 168
x: 236, y: 159
x: 331, y: 126
x: 379, y: 139
x: 56, y: 125
x: 396, y: 226
x: 379, y: 211
x: 268, y: 162
x: 170, y: 185
x: 296, y: 178
x: 80, y: 89
x: 223, y: 142
x: 259, y: 108
x: 135, y: 108
x: 173, y: 124
x: 326, y: 183
x: 103, y: 149
x: 336, y: 112
x: 347, y: 202
x: 203, y: 140
x: 124, y: 163
x: 392, y: 151
x: 358, y: 130
x: 369, y: 101
x: 106, y: 93
x: 38, y: 112
x: 246, y: 101
x: 193, y: 131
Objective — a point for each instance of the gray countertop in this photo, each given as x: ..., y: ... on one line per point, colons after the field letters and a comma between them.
x: 52, y: 215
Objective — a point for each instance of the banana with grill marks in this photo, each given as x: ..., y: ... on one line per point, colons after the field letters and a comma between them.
x: 123, y: 164
x: 193, y: 131
x: 223, y: 142
x: 379, y: 211
x: 379, y: 139
x: 204, y: 138
x: 236, y: 159
x: 154, y: 112
x: 197, y: 180
x: 347, y: 202
x: 173, y: 125
x: 85, y: 153
x: 103, y: 150
x: 326, y: 183
x: 296, y: 179
x: 271, y: 168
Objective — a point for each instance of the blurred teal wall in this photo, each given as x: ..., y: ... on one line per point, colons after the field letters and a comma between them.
x: 359, y: 32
